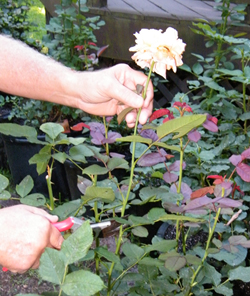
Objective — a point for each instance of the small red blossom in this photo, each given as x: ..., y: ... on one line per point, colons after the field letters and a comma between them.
x: 158, y: 113
x: 91, y: 43
x: 79, y: 47
x: 182, y: 107
x: 218, y: 179
x: 79, y: 126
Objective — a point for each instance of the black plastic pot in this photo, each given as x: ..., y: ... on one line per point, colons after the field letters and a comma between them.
x: 19, y: 151
x: 72, y: 171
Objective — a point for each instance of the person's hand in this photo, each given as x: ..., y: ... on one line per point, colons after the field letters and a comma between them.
x: 111, y: 90
x: 24, y: 234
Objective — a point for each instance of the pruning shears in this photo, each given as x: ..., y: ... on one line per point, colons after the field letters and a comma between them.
x: 74, y: 223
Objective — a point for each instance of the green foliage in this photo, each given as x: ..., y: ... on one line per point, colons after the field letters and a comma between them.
x: 71, y: 35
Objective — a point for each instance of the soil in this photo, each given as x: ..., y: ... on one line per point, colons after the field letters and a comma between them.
x: 12, y: 284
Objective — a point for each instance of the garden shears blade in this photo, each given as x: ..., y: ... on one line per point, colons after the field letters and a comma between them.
x: 73, y: 223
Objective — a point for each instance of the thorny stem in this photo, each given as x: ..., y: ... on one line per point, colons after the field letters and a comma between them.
x: 106, y: 135
x: 211, y: 232
x: 130, y: 183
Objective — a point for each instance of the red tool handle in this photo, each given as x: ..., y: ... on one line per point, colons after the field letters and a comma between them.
x: 61, y: 226
x: 65, y: 224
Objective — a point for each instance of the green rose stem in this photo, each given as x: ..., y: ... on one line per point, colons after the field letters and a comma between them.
x: 211, y: 232
x: 130, y: 184
x: 50, y: 191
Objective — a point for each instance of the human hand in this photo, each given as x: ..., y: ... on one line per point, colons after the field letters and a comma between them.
x: 25, y: 232
x: 111, y: 90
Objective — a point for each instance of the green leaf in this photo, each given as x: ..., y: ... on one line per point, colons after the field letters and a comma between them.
x: 132, y: 251
x: 4, y: 195
x: 95, y: 170
x: 240, y: 273
x: 211, y: 273
x: 60, y: 156
x: 197, y: 68
x: 35, y: 200
x: 25, y: 186
x: 67, y: 209
x: 76, y: 246
x: 117, y: 163
x: 52, y: 129
x: 192, y: 259
x: 52, y: 266
x: 137, y: 139
x: 223, y: 290
x: 17, y: 130
x: 174, y: 263
x: 181, y: 125
x: 151, y: 262
x: 158, y: 214
x: 105, y: 194
x: 162, y: 246
x: 140, y: 231
x: 4, y: 182
x: 163, y: 145
x: 82, y: 281
x: 245, y: 116
x: 110, y: 256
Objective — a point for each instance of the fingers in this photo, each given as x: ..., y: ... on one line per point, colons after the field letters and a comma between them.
x: 41, y: 212
x: 56, y: 239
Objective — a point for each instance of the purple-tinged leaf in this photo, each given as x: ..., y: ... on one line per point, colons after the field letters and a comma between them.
x: 151, y: 159
x: 246, y: 154
x: 186, y: 191
x: 230, y: 248
x: 112, y: 136
x: 194, y: 136
x: 108, y: 118
x: 173, y: 208
x: 198, y: 211
x: 170, y: 177
x: 150, y: 134
x: 118, y: 155
x: 246, y: 244
x: 175, y: 167
x: 237, y: 239
x: 210, y: 125
x: 235, y: 159
x: 83, y: 184
x: 97, y: 127
x: 97, y: 138
x: 223, y: 189
x: 227, y: 202
x: 197, y: 203
x: 243, y: 170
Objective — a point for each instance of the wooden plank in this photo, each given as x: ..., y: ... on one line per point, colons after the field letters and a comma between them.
x: 121, y: 6
x: 147, y: 8
x: 176, y: 9
x: 201, y: 8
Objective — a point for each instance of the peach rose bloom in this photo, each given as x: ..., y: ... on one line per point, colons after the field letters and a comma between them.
x: 165, y: 49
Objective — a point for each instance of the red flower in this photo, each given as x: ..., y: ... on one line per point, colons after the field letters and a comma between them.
x: 91, y: 43
x: 182, y: 107
x: 79, y: 47
x: 218, y: 179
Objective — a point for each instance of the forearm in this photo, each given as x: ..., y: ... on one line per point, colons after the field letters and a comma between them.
x: 25, y: 72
